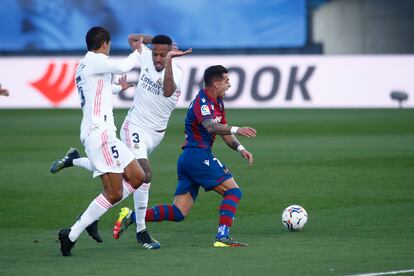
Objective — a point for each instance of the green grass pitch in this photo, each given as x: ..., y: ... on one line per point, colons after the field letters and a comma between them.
x: 352, y: 170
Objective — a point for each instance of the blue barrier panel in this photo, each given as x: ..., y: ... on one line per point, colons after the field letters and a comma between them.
x: 202, y: 24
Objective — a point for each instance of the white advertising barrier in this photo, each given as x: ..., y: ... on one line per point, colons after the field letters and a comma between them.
x: 259, y: 81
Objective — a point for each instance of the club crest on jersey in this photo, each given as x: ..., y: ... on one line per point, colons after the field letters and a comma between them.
x: 205, y: 110
x: 159, y: 82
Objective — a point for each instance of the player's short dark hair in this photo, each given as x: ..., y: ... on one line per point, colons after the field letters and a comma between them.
x: 96, y: 36
x: 213, y: 73
x: 161, y: 39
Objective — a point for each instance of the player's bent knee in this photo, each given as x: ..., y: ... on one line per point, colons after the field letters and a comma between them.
x: 114, y: 197
x: 137, y: 179
x: 235, y: 191
x: 178, y: 214
x: 148, y: 177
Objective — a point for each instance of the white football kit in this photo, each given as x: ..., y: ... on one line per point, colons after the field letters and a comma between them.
x: 144, y: 126
x: 98, y: 132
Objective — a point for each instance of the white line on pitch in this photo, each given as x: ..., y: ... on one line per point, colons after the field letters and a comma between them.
x: 384, y: 273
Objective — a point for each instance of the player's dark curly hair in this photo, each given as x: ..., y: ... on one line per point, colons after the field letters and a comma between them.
x: 161, y: 39
x: 96, y: 36
x: 213, y: 73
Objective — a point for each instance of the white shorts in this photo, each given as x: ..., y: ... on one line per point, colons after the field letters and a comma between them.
x: 141, y: 141
x: 106, y: 152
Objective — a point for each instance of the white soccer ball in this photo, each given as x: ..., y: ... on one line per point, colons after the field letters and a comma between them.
x: 294, y: 217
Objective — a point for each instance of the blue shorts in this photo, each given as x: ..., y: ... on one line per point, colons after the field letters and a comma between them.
x: 198, y: 167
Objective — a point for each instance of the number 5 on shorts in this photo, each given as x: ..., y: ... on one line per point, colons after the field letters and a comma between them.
x: 115, y: 152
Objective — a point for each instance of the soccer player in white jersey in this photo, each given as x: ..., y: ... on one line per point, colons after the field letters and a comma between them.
x: 156, y: 95
x: 109, y: 158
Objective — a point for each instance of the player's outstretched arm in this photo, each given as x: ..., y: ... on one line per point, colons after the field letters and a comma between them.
x: 169, y: 85
x: 220, y: 129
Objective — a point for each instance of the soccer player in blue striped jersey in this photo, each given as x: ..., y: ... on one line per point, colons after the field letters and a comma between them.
x: 197, y: 165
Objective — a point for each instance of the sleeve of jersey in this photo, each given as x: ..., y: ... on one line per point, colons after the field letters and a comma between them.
x: 202, y: 110
x: 108, y: 65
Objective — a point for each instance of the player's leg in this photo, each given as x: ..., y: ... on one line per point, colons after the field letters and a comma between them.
x: 112, y: 168
x: 185, y: 195
x: 141, y: 196
x: 141, y: 142
x: 112, y: 193
x: 171, y: 212
x: 231, y: 196
x: 72, y: 158
x: 215, y: 176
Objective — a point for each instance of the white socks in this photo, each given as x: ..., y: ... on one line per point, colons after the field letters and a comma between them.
x: 96, y: 209
x: 140, y: 204
x: 82, y: 162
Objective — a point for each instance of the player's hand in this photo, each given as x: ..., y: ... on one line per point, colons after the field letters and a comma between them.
x: 248, y: 132
x: 122, y: 81
x: 136, y: 44
x: 4, y: 92
x: 174, y: 46
x: 248, y: 156
x: 174, y: 52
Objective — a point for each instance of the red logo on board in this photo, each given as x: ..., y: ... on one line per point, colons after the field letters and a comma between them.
x: 59, y: 89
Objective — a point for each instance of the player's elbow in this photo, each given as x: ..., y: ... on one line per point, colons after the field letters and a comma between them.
x: 211, y: 129
x: 168, y: 92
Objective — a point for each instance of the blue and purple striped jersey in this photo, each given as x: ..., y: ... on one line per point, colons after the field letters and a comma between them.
x: 203, y: 107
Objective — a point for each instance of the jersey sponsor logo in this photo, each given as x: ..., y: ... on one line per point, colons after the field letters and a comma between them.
x: 148, y: 84
x: 204, y: 110
x: 56, y: 89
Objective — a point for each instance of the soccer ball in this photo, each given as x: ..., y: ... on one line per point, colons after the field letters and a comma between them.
x: 294, y: 217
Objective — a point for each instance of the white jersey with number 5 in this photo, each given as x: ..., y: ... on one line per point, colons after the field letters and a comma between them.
x: 151, y: 108
x: 93, y: 80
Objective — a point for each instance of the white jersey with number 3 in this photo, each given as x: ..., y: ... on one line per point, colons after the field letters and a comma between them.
x: 93, y: 80
x: 151, y: 108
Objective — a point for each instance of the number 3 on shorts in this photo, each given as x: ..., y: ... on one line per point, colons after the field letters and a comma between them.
x: 115, y: 152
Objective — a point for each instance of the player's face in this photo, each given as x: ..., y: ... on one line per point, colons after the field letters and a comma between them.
x: 223, y: 85
x: 159, y: 52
